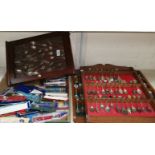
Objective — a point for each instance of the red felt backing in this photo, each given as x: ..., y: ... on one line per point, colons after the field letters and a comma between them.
x: 98, y: 111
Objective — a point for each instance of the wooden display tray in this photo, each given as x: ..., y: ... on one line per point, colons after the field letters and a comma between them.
x: 142, y: 81
x: 107, y: 67
x: 44, y: 56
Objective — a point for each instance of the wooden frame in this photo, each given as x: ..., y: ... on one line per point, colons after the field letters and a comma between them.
x: 10, y: 55
x: 142, y: 81
x: 76, y: 118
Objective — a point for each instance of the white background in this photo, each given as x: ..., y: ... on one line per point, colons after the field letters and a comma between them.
x: 69, y: 15
x: 119, y: 48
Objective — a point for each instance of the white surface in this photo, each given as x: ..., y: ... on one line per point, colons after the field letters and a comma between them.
x: 126, y: 49
x: 150, y: 75
x: 2, y: 73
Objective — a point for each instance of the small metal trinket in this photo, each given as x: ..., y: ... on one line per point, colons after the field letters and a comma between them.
x: 82, y: 108
x: 18, y: 70
x: 151, y: 94
x: 90, y: 77
x: 120, y: 91
x: 134, y: 81
x: 17, y: 62
x: 129, y: 110
x: 116, y: 79
x: 94, y: 78
x: 76, y: 86
x: 97, y: 109
x: 25, y: 67
x: 44, y: 45
x: 124, y: 111
x: 134, y: 91
x: 107, y: 91
x: 26, y: 52
x: 86, y: 78
x: 42, y: 67
x: 125, y: 91
x: 111, y: 91
x: 111, y: 105
x: 102, y: 78
x: 89, y: 92
x: 120, y: 97
x: 118, y: 109
x: 50, y: 47
x: 29, y: 73
x: 139, y: 91
x: 145, y: 85
x: 76, y: 95
x: 76, y: 77
x: 77, y: 106
x: 107, y: 109
x: 102, y: 106
x: 33, y: 47
x: 138, y: 97
x: 39, y: 75
x: 129, y: 97
x: 35, y: 73
x: 92, y: 109
x: 80, y: 84
x: 123, y: 81
x: 144, y: 109
x: 39, y: 51
x: 114, y: 96
x: 133, y: 109
x: 103, y: 91
x: 105, y: 80
x: 111, y: 80
x: 51, y: 53
x: 33, y: 42
x: 134, y: 97
x: 119, y: 80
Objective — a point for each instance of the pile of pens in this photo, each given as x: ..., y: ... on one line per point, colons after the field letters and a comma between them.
x: 47, y: 102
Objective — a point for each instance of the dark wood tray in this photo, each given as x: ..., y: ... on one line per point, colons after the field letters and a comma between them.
x: 44, y: 56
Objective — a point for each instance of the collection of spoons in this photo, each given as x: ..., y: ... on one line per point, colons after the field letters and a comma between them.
x: 120, y: 108
x: 110, y: 78
x: 28, y: 57
x: 114, y: 88
x: 78, y: 96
